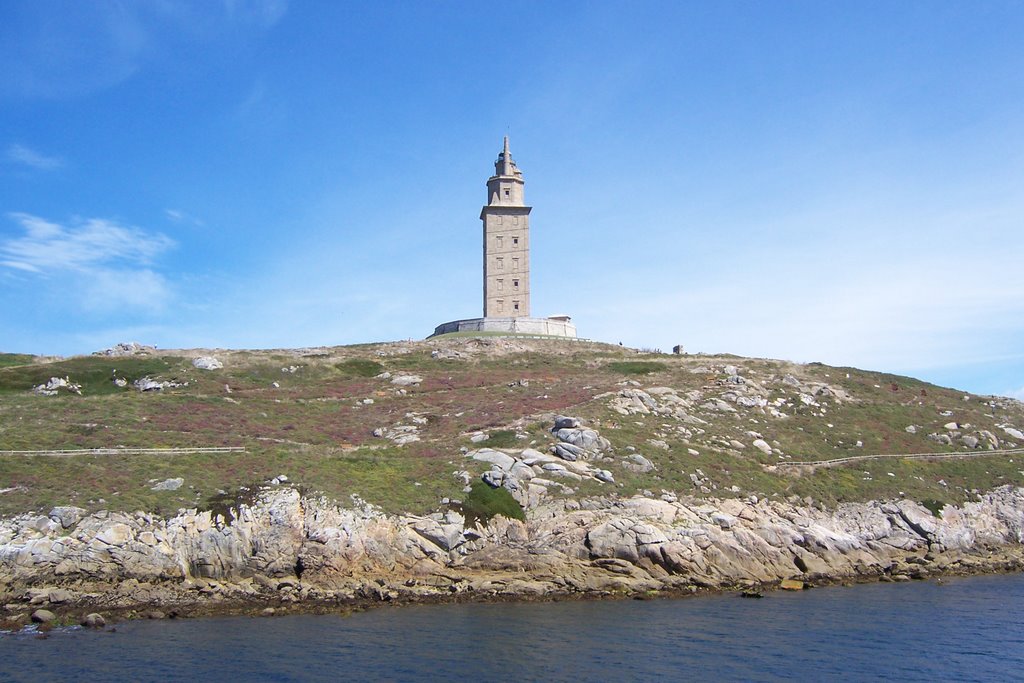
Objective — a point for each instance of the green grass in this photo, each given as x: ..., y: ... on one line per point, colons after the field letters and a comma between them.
x: 94, y: 373
x: 635, y: 367
x: 8, y: 359
x: 316, y: 428
x: 502, y: 438
x: 359, y: 367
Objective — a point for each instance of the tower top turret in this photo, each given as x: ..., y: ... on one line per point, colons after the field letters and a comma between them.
x: 506, y: 185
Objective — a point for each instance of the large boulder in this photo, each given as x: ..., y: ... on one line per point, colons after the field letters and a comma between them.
x: 43, y: 616
x: 67, y: 515
x: 587, y: 439
x: 207, y: 363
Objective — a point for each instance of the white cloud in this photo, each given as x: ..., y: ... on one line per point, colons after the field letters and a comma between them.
x: 20, y: 154
x: 111, y: 264
x: 49, y: 247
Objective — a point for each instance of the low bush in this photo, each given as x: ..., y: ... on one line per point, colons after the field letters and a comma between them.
x: 483, y: 502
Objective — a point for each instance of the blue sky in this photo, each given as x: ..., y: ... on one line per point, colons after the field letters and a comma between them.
x: 835, y: 182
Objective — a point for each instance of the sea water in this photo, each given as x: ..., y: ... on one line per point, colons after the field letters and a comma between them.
x: 968, y: 629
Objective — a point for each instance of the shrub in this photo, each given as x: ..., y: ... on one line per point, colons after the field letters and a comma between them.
x: 934, y: 506
x: 360, y: 367
x: 484, y: 502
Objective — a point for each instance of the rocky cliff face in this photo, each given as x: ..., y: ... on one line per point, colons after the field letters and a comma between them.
x: 286, y: 548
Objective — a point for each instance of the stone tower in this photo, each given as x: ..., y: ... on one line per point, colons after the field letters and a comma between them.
x: 506, y: 242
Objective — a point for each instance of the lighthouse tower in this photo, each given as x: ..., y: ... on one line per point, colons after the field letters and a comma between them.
x: 506, y: 222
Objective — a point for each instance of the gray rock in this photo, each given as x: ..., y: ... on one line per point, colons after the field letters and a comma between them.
x: 500, y: 460
x: 605, y: 476
x: 562, y: 422
x: 587, y: 439
x: 445, y: 536
x: 911, y: 429
x: 1013, y: 433
x: 567, y: 451
x: 522, y: 471
x: 168, y: 485
x: 969, y: 441
x: 127, y: 349
x: 531, y: 456
x: 718, y: 404
x: 67, y: 515
x: 43, y: 616
x: 406, y: 380
x: 94, y: 620
x: 493, y: 478
x: 762, y: 445
x: 725, y: 521
x: 639, y: 463
x: 207, y: 363
x: 53, y: 386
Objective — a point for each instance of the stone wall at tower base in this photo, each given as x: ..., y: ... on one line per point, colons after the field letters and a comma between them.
x: 555, y: 327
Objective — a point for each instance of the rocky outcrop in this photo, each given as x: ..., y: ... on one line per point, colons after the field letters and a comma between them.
x: 285, y: 547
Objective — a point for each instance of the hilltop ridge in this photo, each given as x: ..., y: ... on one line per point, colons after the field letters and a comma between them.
x: 390, y: 422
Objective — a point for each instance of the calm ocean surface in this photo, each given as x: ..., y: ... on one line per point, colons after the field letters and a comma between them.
x: 960, y: 630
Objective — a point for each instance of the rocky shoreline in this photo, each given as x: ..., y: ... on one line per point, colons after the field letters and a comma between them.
x: 286, y: 553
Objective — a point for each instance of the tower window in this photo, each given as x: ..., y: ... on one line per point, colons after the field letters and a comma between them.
x: 500, y: 221
x: 515, y: 240
x: 501, y: 263
x: 515, y: 305
x: 515, y: 283
x: 506, y: 191
x: 515, y: 264
x: 501, y: 305
x: 501, y: 284
x: 500, y: 239
x: 515, y: 220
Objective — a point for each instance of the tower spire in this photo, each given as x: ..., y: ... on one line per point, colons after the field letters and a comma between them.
x: 504, y: 166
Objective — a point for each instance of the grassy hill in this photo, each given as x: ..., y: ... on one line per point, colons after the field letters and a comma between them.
x: 312, y: 415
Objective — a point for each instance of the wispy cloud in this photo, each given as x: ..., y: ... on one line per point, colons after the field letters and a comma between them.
x: 87, y: 47
x: 26, y: 156
x: 112, y: 264
x: 179, y: 216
